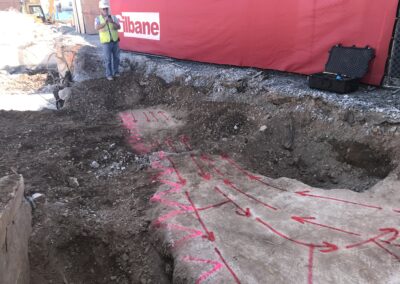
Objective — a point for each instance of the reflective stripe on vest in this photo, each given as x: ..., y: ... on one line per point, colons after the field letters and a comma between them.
x: 105, y: 32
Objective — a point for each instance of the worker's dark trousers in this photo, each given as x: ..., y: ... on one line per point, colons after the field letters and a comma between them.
x: 111, y: 58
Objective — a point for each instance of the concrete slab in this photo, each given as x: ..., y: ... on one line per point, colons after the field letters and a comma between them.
x: 224, y: 224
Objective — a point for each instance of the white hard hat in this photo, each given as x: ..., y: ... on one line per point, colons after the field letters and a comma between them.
x: 104, y: 4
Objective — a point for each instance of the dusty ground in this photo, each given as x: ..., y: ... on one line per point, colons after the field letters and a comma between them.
x: 93, y: 227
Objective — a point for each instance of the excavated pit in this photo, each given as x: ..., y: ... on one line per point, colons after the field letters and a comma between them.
x: 95, y: 230
x: 284, y: 142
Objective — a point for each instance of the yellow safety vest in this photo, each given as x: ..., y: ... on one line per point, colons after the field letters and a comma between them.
x: 107, y: 32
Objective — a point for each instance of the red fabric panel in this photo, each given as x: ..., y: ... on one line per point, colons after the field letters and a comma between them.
x: 286, y: 35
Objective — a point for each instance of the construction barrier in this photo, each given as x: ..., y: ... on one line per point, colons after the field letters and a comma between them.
x: 286, y: 35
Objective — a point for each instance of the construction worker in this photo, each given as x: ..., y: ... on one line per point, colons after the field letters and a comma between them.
x: 58, y: 10
x: 108, y: 27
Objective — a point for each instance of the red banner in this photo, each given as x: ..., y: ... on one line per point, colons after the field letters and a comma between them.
x: 286, y: 35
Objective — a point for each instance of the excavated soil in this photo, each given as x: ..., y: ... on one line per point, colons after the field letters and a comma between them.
x: 93, y: 226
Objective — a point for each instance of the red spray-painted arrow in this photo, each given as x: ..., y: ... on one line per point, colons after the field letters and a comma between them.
x: 185, y: 140
x: 133, y: 116
x: 209, y: 234
x: 210, y: 161
x: 227, y: 266
x: 163, y: 114
x: 170, y: 144
x: 303, y: 220
x: 182, y: 181
x: 385, y: 231
x: 230, y: 184
x: 147, y: 118
x: 153, y: 115
x: 205, y: 175
x: 214, y: 205
x: 325, y: 247
x: 306, y: 193
x: 392, y: 232
x: 241, y: 210
x: 207, y: 274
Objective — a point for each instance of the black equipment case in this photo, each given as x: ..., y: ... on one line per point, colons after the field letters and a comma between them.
x: 344, y: 69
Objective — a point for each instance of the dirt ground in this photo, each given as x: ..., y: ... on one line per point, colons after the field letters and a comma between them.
x: 93, y: 225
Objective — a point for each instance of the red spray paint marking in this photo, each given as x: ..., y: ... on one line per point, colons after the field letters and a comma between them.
x: 158, y: 197
x: 389, y: 243
x: 178, y: 243
x: 230, y: 184
x: 170, y: 144
x: 157, y: 223
x: 205, y: 157
x: 386, y: 250
x: 227, y: 266
x: 396, y: 210
x: 242, y: 211
x: 153, y: 115
x: 306, y: 193
x: 163, y: 114
x: 147, y: 118
x: 133, y: 116
x: 169, y: 202
x: 129, y: 123
x: 185, y: 140
x: 209, y: 235
x: 325, y: 248
x: 210, y: 161
x: 175, y: 187
x: 134, y: 137
x: 303, y: 220
x: 310, y: 264
x: 181, y: 179
x: 213, y: 206
x: 160, y: 222
x: 155, y: 144
x: 205, y: 275
x: 219, y: 172
x: 157, y: 176
x: 246, y: 173
x: 205, y: 175
x: 386, y: 232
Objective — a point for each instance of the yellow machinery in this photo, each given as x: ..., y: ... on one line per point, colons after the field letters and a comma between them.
x: 34, y: 8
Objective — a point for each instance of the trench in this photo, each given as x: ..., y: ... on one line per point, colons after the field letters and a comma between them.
x: 98, y: 233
